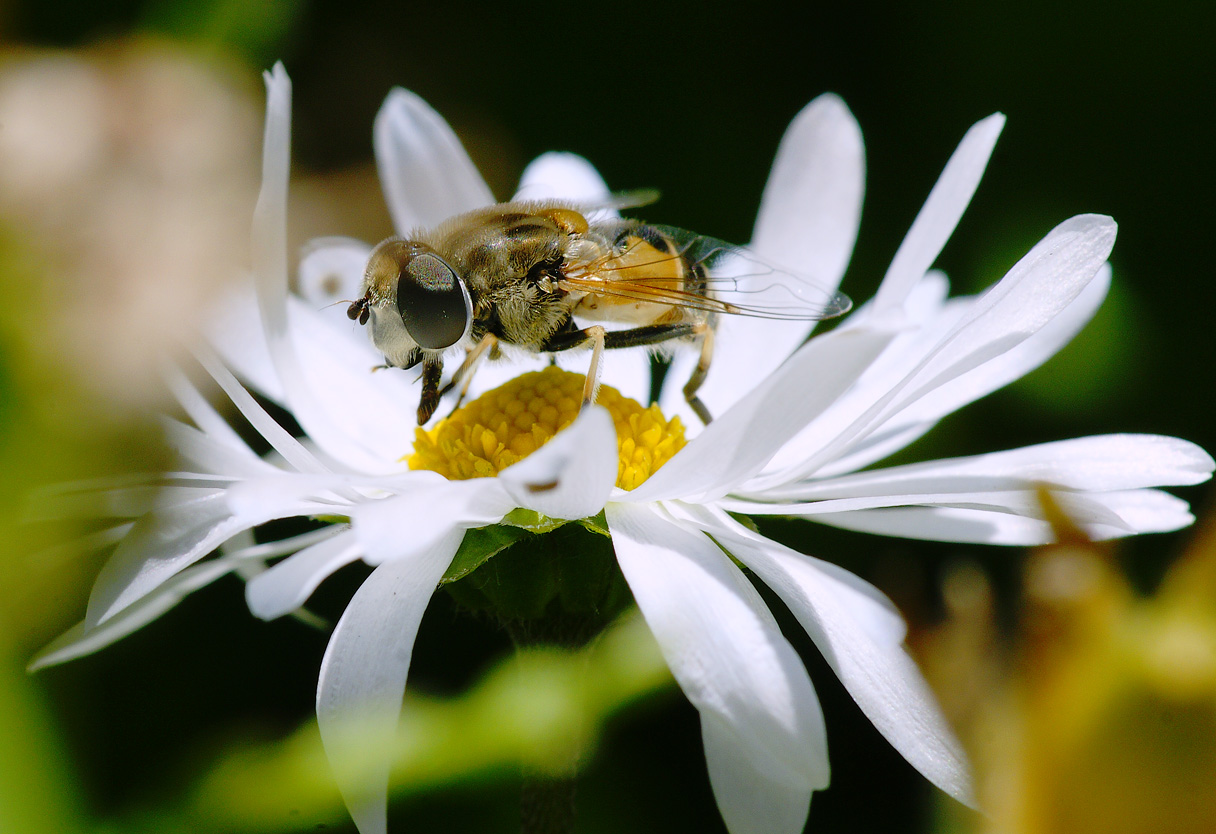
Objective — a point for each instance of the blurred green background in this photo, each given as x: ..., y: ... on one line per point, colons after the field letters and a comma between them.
x: 1110, y: 111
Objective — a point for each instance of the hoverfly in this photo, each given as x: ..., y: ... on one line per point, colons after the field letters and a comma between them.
x: 521, y: 273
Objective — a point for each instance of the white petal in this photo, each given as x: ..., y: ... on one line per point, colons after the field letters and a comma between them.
x: 330, y: 277
x: 234, y: 330
x: 878, y: 673
x: 163, y: 543
x: 811, y: 207
x: 288, y: 447
x: 753, y: 794
x: 1101, y: 463
x: 1136, y: 511
x: 284, y: 587
x: 1002, y: 369
x: 81, y: 640
x: 562, y: 176
x: 426, y: 175
x: 941, y: 212
x: 203, y: 452
x: 740, y: 442
x: 362, y: 419
x: 1036, y: 289
x: 413, y: 523
x: 201, y: 412
x: 734, y: 665
x: 1084, y: 508
x: 945, y: 524
x: 1143, y: 511
x: 927, y: 315
x: 363, y: 676
x: 320, y: 408
x: 807, y: 222
x: 571, y: 475
x: 1039, y: 286
x: 159, y: 545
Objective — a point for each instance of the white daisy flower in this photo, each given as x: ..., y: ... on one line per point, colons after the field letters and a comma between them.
x: 796, y: 421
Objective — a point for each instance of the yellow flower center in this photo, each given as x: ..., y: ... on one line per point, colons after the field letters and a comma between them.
x: 507, y: 424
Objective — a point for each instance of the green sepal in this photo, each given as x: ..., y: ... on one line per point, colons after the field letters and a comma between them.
x: 559, y: 587
x: 596, y: 524
x: 479, y: 546
x: 532, y: 521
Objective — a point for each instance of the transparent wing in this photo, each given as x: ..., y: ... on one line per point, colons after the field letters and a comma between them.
x: 736, y: 280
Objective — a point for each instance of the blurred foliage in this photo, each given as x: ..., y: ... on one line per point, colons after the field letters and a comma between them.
x: 540, y: 710
x: 1103, y: 711
x: 1100, y: 716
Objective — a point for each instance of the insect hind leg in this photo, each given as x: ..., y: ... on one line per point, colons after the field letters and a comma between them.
x: 651, y: 334
x: 705, y: 337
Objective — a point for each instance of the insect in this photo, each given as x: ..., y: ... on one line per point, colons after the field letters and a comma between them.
x: 526, y: 274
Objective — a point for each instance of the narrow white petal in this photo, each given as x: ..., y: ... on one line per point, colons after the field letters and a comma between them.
x: 159, y: 545
x: 941, y: 212
x: 330, y: 277
x: 562, y: 176
x: 1084, y: 508
x: 413, y: 523
x: 1002, y: 369
x: 270, y: 214
x: 233, y: 327
x: 734, y: 665
x: 740, y: 442
x: 363, y: 676
x: 426, y: 175
x: 81, y: 640
x: 926, y: 316
x: 320, y: 409
x: 192, y: 448
x: 1100, y: 463
x: 287, y: 585
x: 1040, y: 286
x: 808, y: 220
x: 278, y: 437
x: 1035, y: 290
x: 1137, y: 511
x: 753, y: 794
x: 878, y: 673
x: 201, y: 412
x: 1143, y: 511
x: 811, y: 207
x: 163, y: 543
x: 571, y: 475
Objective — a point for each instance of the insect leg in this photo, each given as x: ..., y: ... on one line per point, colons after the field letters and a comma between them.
x: 592, y: 380
x: 432, y: 372
x: 468, y: 367
x: 705, y: 335
x: 650, y: 334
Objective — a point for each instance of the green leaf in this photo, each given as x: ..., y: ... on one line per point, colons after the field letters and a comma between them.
x: 481, y: 544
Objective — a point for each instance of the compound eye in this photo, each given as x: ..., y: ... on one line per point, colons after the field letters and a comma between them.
x: 433, y: 301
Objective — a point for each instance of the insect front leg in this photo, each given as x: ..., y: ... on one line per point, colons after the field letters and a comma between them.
x: 432, y: 372
x: 468, y: 367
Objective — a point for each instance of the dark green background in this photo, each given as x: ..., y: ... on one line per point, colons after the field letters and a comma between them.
x: 1110, y: 110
